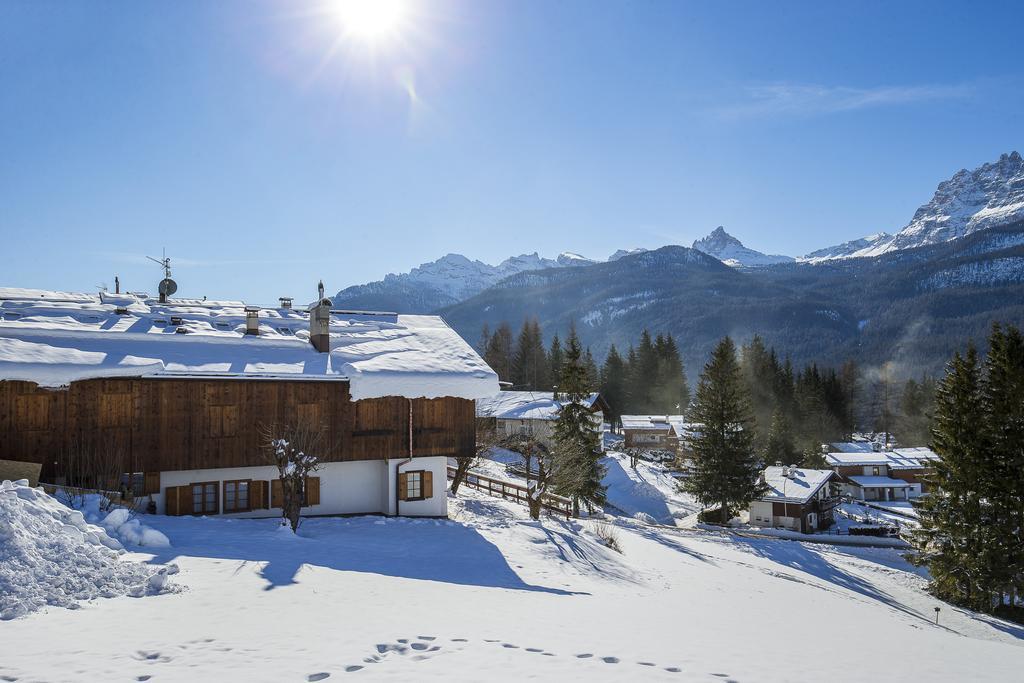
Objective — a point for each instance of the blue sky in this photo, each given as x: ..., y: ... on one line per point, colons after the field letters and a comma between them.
x: 264, y: 152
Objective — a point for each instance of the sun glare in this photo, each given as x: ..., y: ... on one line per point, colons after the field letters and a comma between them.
x: 370, y: 20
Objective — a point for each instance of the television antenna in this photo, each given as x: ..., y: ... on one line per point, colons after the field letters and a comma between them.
x: 167, y: 286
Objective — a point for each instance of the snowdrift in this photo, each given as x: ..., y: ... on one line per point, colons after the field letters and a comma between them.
x: 49, y: 555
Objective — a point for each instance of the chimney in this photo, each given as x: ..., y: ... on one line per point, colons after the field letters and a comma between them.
x: 252, y: 320
x: 320, y: 324
x: 286, y: 301
x: 117, y: 285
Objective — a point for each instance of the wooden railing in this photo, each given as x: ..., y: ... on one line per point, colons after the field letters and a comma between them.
x: 510, y: 490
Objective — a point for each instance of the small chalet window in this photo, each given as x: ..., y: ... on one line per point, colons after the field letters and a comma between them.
x: 414, y: 485
x: 874, y: 471
x: 204, y: 498
x: 236, y: 496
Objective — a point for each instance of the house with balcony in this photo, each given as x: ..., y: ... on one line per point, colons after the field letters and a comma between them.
x: 896, y: 475
x: 796, y: 498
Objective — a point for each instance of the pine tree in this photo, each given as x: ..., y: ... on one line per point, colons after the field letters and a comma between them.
x: 555, y: 359
x: 1003, y: 400
x: 498, y: 354
x: 779, y: 445
x: 593, y: 374
x: 726, y: 467
x: 956, y: 515
x: 529, y: 363
x: 577, y: 468
x: 613, y: 383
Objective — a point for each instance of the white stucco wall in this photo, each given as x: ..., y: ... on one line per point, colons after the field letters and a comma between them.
x: 762, y: 509
x: 359, y: 487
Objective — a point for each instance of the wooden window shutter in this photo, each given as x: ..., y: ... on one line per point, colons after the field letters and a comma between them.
x: 428, y: 484
x: 276, y: 494
x: 403, y: 485
x: 258, y: 495
x: 312, y: 490
x: 178, y: 500
x: 151, y: 483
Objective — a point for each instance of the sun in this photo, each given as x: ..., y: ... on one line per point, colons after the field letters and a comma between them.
x: 370, y: 21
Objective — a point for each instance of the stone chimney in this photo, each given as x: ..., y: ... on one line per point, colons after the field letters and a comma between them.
x: 320, y: 323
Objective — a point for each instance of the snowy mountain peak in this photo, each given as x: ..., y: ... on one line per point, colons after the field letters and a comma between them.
x: 626, y: 252
x: 990, y: 195
x: 731, y: 251
x: 449, y: 279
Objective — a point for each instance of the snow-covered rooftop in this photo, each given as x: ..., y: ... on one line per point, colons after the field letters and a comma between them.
x: 879, y: 481
x: 55, y: 338
x: 524, y: 405
x: 660, y: 422
x: 898, y: 459
x: 799, y: 487
x: 852, y: 447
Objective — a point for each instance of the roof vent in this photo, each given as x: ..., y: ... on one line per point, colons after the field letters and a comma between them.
x: 286, y: 301
x: 785, y: 471
x: 252, y: 320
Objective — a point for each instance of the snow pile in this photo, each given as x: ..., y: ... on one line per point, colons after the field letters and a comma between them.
x: 49, y: 555
x: 123, y: 526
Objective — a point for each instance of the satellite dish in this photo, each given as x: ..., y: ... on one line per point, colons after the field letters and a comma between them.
x: 168, y: 287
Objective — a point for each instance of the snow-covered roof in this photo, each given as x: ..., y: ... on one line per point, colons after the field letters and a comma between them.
x: 654, y: 422
x: 55, y: 338
x: 799, y: 487
x: 852, y: 447
x: 879, y: 481
x: 897, y: 459
x: 913, y: 458
x: 524, y: 405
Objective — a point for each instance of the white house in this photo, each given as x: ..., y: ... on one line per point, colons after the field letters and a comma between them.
x: 534, y: 412
x: 899, y: 474
x: 798, y: 498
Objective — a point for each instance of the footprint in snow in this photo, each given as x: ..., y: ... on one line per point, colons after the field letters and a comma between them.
x: 610, y: 660
x: 318, y: 676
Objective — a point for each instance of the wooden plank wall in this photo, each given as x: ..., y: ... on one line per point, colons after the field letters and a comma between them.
x: 181, y: 424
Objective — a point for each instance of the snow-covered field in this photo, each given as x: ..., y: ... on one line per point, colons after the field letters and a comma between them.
x: 491, y: 595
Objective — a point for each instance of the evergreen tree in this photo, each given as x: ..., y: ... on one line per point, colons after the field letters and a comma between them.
x: 613, y: 384
x: 1003, y: 400
x: 957, y: 514
x: 555, y: 359
x: 913, y: 422
x: 643, y: 376
x: 577, y: 468
x: 726, y: 467
x: 779, y: 445
x: 498, y: 354
x: 670, y: 393
x: 529, y: 363
x: 593, y: 374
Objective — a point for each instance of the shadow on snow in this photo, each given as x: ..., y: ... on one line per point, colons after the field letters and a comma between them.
x: 428, y: 550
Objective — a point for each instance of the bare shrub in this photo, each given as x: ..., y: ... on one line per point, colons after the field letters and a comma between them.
x: 607, y: 535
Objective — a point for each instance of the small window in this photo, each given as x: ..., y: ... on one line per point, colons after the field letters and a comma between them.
x: 236, y: 496
x: 414, y: 485
x: 874, y: 471
x: 204, y: 498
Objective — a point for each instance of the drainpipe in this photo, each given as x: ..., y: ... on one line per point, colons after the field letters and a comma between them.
x: 398, y: 465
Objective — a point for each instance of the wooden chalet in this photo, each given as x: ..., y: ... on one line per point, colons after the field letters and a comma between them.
x: 169, y: 399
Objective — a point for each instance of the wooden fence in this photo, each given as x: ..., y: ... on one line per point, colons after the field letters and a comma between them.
x: 510, y: 490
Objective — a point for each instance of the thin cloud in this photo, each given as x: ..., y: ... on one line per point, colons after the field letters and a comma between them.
x: 791, y: 99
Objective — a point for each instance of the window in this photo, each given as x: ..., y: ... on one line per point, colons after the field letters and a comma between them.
x: 204, y: 498
x: 874, y: 471
x: 236, y: 496
x: 414, y: 485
